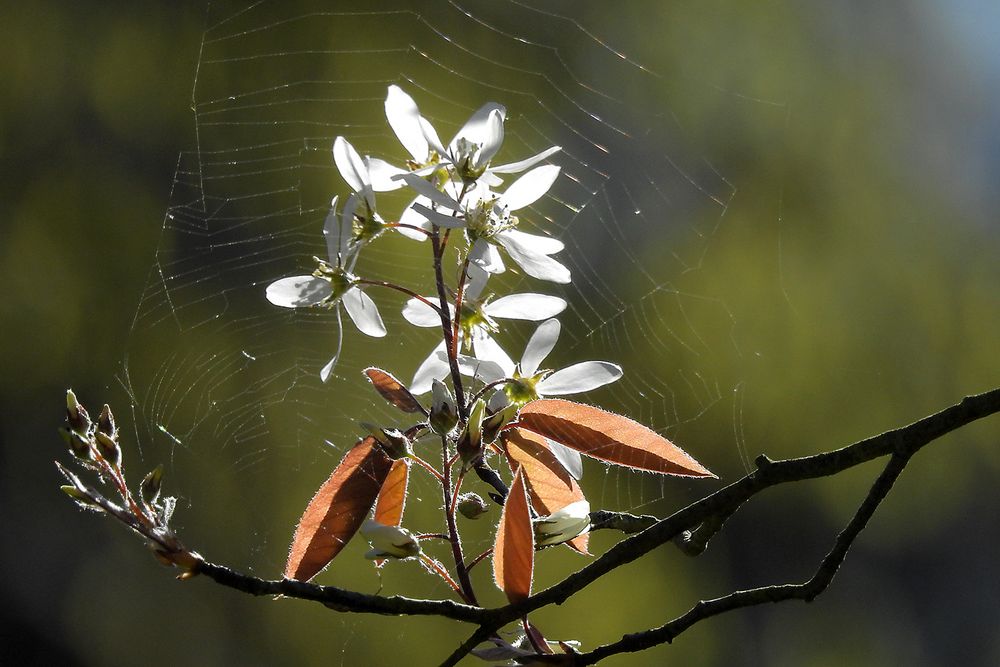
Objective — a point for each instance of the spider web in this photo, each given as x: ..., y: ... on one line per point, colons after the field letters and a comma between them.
x: 224, y: 383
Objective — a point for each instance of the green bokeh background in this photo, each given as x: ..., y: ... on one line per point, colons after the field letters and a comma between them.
x: 849, y: 286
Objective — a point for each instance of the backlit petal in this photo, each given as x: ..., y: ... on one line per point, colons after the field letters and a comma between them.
x: 363, y: 312
x: 539, y: 346
x: 298, y: 291
x: 580, y: 377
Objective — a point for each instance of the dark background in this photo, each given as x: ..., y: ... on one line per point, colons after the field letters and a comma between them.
x: 857, y: 152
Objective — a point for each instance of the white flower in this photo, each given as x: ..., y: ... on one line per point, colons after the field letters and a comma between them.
x: 476, y: 322
x: 562, y: 526
x: 488, y: 222
x: 333, y: 283
x: 471, y: 149
x: 389, y: 541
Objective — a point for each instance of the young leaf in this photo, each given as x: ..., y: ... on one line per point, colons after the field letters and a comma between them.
x: 514, y: 552
x: 608, y: 437
x: 550, y: 485
x: 393, y: 390
x: 392, y: 496
x: 337, y: 510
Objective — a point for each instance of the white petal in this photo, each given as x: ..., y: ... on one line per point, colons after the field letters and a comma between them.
x: 539, y: 346
x: 363, y: 312
x: 432, y: 368
x: 298, y: 291
x: 531, y: 307
x: 431, y: 135
x: 382, y: 175
x: 538, y: 266
x: 533, y: 243
x: 424, y: 187
x: 487, y: 349
x: 331, y: 231
x: 352, y: 167
x: 569, y: 458
x: 439, y: 219
x: 580, y: 377
x: 404, y: 119
x: 484, y: 255
x: 530, y: 187
x: 492, y: 139
x: 327, y: 370
x: 485, y: 370
x: 477, y: 282
x: 521, y: 165
x: 411, y: 217
x: 477, y: 129
x: 498, y: 401
x: 419, y: 314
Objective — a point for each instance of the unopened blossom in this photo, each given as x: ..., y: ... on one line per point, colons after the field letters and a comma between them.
x: 389, y: 541
x: 477, y: 321
x: 333, y: 284
x: 563, y: 525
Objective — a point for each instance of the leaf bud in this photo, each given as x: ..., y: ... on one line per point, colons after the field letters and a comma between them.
x: 79, y: 496
x: 389, y: 541
x: 78, y: 445
x: 472, y: 506
x: 76, y: 414
x: 493, y: 424
x: 108, y: 448
x: 149, y: 489
x: 563, y: 525
x: 106, y: 422
x: 444, y: 410
x: 394, y: 442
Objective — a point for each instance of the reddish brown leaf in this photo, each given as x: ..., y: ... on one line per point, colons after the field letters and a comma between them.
x: 392, y: 496
x: 550, y: 487
x: 337, y: 510
x: 514, y: 552
x: 608, y: 437
x: 393, y: 390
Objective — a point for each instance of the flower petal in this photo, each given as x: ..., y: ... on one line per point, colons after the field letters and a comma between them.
x: 539, y: 346
x: 485, y: 255
x: 404, y: 119
x: 298, y: 291
x: 424, y: 187
x: 529, y: 306
x: 439, y: 219
x: 432, y: 368
x: 580, y: 377
x: 363, y: 312
x: 331, y: 231
x: 521, y: 165
x: 569, y: 458
x: 382, y: 175
x: 431, y: 135
x: 352, y: 167
x: 477, y: 128
x: 483, y: 369
x: 419, y: 314
x: 530, y: 187
x: 487, y: 349
x: 535, y: 265
x: 477, y: 282
x: 492, y: 140
x: 413, y: 218
x: 533, y: 243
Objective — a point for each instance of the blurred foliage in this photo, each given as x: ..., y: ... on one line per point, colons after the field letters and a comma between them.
x: 847, y: 283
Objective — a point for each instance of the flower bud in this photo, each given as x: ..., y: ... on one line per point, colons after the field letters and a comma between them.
x: 78, y: 445
x: 79, y: 496
x: 76, y: 414
x: 394, y: 442
x: 108, y: 448
x: 149, y: 489
x: 389, y: 541
x: 472, y: 506
x: 444, y: 410
x: 106, y: 422
x: 470, y: 444
x: 563, y: 525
